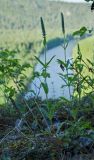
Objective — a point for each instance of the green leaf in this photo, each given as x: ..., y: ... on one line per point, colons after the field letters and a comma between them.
x: 2, y: 81
x: 79, y: 52
x: 45, y: 74
x: 26, y: 65
x: 64, y: 99
x: 35, y: 74
x: 90, y: 62
x: 76, y: 33
x: 40, y: 61
x: 50, y: 60
x: 45, y: 87
x: 44, y: 111
x: 32, y: 91
x: 80, y: 32
x: 61, y: 62
x: 80, y: 67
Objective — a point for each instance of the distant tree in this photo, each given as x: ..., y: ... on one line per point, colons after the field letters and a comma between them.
x: 92, y: 5
x: 89, y: 0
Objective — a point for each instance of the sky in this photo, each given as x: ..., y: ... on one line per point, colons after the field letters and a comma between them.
x: 75, y: 1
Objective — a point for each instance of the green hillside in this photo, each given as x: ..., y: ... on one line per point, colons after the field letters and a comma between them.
x: 20, y: 21
x: 26, y: 14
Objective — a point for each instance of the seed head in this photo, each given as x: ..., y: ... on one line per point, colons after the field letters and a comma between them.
x: 62, y: 22
x: 43, y: 27
x: 43, y: 31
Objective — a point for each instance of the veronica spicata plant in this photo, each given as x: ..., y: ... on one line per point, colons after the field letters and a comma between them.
x: 65, y: 64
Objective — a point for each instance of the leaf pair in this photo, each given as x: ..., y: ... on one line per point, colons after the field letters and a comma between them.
x: 43, y: 64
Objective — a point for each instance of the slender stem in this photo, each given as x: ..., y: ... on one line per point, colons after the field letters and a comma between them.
x: 25, y: 102
x: 64, y: 46
x: 45, y: 80
x: 79, y: 89
x: 4, y: 138
x: 42, y: 115
x: 31, y: 109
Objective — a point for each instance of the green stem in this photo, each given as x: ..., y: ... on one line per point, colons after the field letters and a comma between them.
x: 66, y: 66
x: 45, y: 80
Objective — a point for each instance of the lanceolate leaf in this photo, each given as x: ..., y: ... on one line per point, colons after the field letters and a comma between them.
x: 50, y: 60
x: 40, y: 61
x: 61, y: 62
x: 90, y: 62
x: 79, y: 51
x: 45, y: 87
x: 44, y: 65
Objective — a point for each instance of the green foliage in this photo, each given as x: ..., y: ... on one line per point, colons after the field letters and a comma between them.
x: 80, y: 32
x: 12, y: 73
